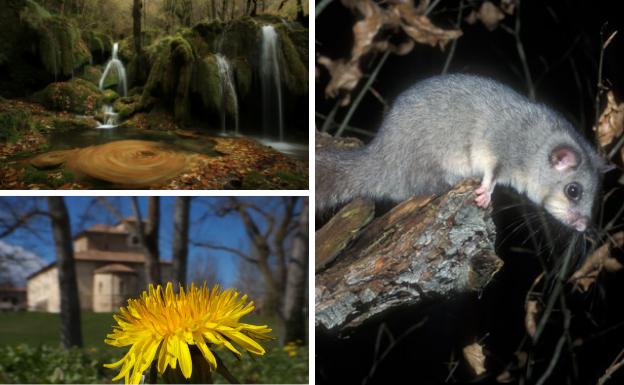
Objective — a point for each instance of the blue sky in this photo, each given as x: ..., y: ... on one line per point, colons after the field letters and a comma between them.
x: 84, y: 213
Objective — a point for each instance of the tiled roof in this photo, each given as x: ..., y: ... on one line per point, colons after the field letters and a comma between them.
x: 115, y: 268
x: 113, y: 256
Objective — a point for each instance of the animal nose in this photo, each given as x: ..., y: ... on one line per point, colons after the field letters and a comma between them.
x: 581, y: 224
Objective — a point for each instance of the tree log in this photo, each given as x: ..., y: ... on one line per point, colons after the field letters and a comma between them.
x: 424, y: 248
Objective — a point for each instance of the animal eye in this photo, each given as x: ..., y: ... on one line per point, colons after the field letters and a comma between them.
x: 573, y: 191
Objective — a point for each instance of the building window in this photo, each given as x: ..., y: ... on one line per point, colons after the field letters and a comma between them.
x: 134, y: 240
x: 121, y: 287
x: 100, y: 287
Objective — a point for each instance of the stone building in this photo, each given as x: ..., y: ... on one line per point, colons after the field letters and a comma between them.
x: 109, y: 270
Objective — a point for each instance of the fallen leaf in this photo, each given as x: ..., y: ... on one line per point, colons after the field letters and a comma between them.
x: 421, y: 29
x: 474, y: 356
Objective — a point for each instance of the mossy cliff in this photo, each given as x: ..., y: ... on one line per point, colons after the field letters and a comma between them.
x: 38, y: 47
x: 184, y: 73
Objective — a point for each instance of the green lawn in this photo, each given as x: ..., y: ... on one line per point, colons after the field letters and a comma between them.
x: 33, y: 328
x: 29, y: 353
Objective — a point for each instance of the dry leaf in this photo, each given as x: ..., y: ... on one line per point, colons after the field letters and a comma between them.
x: 611, y: 121
x: 421, y: 29
x: 490, y: 15
x: 365, y: 30
x: 472, y: 18
x: 474, y: 356
x: 601, y: 258
x: 508, y: 6
x: 530, y: 318
x: 505, y: 377
x: 344, y: 77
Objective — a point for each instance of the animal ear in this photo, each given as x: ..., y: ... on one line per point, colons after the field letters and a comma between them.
x: 564, y: 158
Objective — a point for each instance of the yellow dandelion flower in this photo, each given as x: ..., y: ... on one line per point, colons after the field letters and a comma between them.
x: 164, y: 326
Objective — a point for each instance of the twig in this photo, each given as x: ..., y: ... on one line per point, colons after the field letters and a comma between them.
x: 520, y: 48
x: 600, y: 86
x: 369, y: 82
x: 357, y: 130
x: 449, y: 57
x: 329, y: 120
x: 560, y: 279
x: 361, y: 94
x: 618, y: 362
x: 320, y: 7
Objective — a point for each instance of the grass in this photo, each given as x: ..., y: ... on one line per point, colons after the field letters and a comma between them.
x: 30, y: 353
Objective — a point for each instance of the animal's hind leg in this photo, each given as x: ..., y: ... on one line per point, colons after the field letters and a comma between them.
x: 484, y: 192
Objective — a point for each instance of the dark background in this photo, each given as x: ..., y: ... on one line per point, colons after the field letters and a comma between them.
x: 562, y: 41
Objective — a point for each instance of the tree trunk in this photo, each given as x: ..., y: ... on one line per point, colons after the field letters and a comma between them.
x: 180, y: 239
x: 148, y: 238
x: 136, y: 18
x: 424, y: 248
x: 294, y: 321
x: 224, y: 10
x: 71, y: 332
x: 213, y: 8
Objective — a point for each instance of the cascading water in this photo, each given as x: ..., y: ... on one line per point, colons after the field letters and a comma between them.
x: 114, y: 62
x: 271, y: 82
x: 226, y: 82
x: 110, y: 117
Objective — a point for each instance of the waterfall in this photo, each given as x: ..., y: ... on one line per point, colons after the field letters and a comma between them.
x: 270, y: 80
x: 110, y: 116
x: 115, y: 63
x: 227, y: 90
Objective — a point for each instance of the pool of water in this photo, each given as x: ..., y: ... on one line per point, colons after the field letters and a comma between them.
x: 89, y: 137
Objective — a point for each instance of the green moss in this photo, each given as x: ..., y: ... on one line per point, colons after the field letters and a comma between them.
x: 244, y: 76
x: 171, y: 74
x: 99, y: 44
x: 206, y: 83
x: 60, y: 46
x: 295, y: 71
x: 70, y: 123
x: 54, y: 179
x: 126, y: 106
x: 91, y: 74
x: 278, y: 180
x: 109, y: 96
x: 13, y: 124
x: 77, y: 95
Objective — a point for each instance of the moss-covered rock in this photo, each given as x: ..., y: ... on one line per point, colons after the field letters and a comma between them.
x: 91, y: 74
x: 77, y: 95
x: 126, y: 106
x: 206, y: 83
x: 294, y: 70
x: 60, y: 46
x: 100, y: 44
x: 171, y: 74
x: 244, y: 77
x: 109, y: 96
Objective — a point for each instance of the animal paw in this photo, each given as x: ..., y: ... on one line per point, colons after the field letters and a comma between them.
x: 483, y: 197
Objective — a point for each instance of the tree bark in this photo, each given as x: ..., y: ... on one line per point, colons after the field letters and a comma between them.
x: 71, y: 332
x: 424, y: 248
x: 148, y: 238
x: 294, y: 321
x: 180, y: 239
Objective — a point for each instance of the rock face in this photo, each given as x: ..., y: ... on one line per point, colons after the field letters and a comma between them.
x: 184, y: 71
x: 36, y: 47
